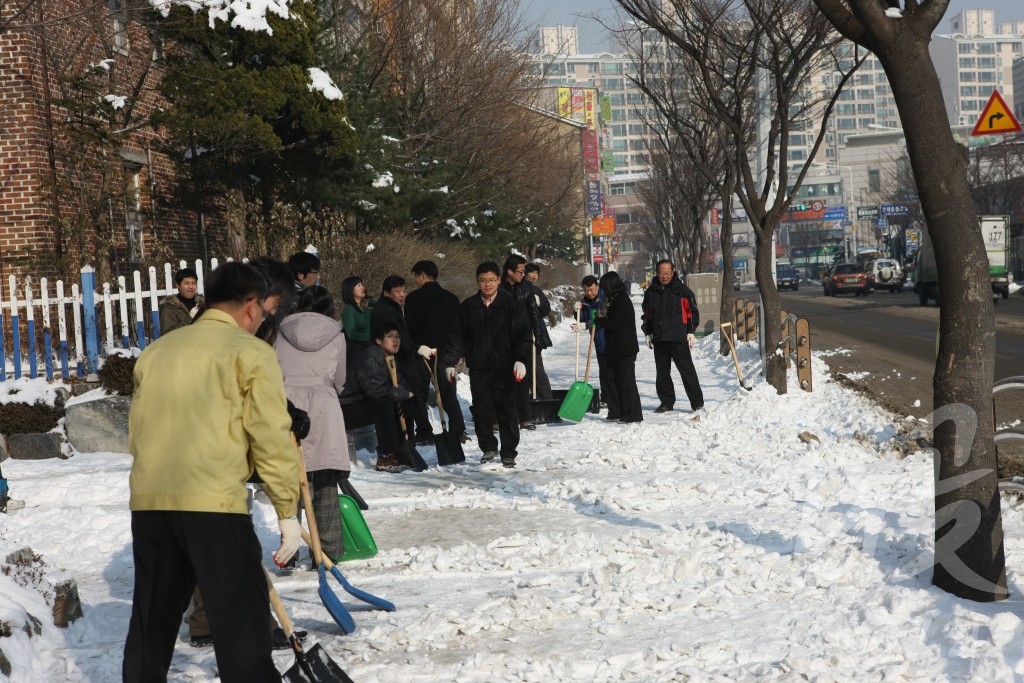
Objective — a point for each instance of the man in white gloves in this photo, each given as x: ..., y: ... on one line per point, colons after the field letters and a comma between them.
x: 670, y: 317
x: 209, y: 407
x: 494, y: 336
x: 430, y: 311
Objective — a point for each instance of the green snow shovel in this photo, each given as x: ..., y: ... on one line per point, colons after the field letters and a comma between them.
x: 577, y: 401
x: 359, y: 543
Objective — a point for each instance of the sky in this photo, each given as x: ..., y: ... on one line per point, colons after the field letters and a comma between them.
x: 593, y: 37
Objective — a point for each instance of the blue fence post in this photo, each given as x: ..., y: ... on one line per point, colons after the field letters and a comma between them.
x: 89, y: 319
x: 15, y: 330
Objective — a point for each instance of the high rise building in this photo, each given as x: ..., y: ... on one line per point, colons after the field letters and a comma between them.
x: 557, y: 40
x: 973, y: 60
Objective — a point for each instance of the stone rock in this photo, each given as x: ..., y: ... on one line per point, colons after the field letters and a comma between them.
x: 35, y: 446
x: 98, y: 426
x: 4, y: 454
x: 80, y: 388
x: 66, y: 605
x: 807, y: 437
x: 5, y: 665
x: 62, y: 398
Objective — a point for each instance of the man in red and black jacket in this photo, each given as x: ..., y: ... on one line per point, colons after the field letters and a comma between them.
x: 670, y: 317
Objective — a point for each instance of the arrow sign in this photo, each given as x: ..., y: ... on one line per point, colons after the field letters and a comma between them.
x: 996, y: 118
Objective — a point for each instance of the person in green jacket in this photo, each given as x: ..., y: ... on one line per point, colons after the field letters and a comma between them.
x: 355, y: 317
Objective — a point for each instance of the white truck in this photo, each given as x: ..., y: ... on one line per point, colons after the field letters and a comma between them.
x: 996, y: 231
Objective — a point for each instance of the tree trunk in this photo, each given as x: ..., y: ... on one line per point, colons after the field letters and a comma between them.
x: 234, y: 222
x: 728, y: 300
x: 969, y: 559
x: 771, y: 307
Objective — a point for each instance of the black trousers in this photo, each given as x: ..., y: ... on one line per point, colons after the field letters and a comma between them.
x: 623, y: 398
x: 380, y: 412
x: 219, y: 552
x: 449, y: 399
x: 602, y: 375
x: 420, y: 384
x: 494, y: 400
x: 665, y: 354
x: 524, y: 389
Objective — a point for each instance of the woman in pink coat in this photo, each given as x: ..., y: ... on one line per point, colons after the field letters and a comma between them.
x: 311, y: 349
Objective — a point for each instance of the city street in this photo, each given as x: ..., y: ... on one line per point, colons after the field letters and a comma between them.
x: 885, y: 345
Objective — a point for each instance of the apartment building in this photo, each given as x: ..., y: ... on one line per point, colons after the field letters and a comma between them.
x: 975, y: 58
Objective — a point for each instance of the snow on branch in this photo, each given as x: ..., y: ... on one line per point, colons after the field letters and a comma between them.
x: 249, y: 15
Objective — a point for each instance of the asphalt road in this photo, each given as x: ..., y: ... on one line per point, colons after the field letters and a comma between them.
x: 884, y: 345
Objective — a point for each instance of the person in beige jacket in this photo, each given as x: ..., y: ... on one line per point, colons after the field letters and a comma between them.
x: 209, y: 409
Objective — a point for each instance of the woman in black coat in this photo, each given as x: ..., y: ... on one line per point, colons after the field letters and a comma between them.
x: 621, y: 349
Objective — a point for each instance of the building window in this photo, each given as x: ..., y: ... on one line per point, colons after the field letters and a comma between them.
x: 119, y: 25
x: 133, y: 212
x: 874, y: 180
x: 629, y: 247
x: 617, y: 99
x: 611, y: 68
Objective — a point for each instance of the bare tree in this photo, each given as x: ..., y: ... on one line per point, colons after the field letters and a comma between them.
x: 997, y: 177
x: 969, y: 558
x: 774, y: 47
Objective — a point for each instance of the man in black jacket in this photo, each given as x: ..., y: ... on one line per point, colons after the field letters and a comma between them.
x: 430, y: 311
x: 524, y: 294
x: 670, y: 317
x: 493, y: 335
x: 388, y: 311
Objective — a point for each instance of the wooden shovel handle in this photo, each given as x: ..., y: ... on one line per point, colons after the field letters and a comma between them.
x: 307, y: 503
x: 437, y: 391
x: 279, y: 610
x: 390, y: 362
x: 590, y: 347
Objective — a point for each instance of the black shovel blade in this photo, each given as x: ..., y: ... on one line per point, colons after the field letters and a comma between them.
x: 314, y: 666
x: 454, y: 447
x: 444, y: 458
x: 411, y: 457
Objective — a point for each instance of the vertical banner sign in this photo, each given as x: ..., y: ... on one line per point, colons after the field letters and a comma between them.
x: 590, y: 109
x: 577, y: 97
x: 606, y: 108
x: 611, y: 212
x: 564, y: 103
x: 607, y: 161
x: 591, y: 158
x: 715, y: 218
x: 593, y: 197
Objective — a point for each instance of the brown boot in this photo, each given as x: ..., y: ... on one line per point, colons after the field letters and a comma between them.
x: 388, y: 462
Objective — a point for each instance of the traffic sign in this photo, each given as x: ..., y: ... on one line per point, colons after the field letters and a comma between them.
x: 895, y: 210
x: 865, y: 213
x: 817, y: 205
x: 996, y: 118
x: 835, y: 213
x: 883, y: 222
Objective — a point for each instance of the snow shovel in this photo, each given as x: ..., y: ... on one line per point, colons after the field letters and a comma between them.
x: 542, y: 410
x: 368, y: 598
x: 334, y: 607
x: 314, y: 666
x: 576, y: 402
x: 409, y: 453
x: 727, y: 331
x: 449, y: 448
x: 359, y: 543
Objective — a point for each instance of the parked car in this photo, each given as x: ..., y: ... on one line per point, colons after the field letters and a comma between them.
x: 843, y: 278
x: 786, y: 277
x: 886, y: 273
x: 736, y: 282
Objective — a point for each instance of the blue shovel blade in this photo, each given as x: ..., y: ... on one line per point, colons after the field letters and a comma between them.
x: 333, y: 604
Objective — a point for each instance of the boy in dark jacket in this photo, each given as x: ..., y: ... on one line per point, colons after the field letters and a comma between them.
x: 670, y: 318
x: 493, y: 335
x: 593, y: 304
x: 369, y: 397
x: 178, y: 310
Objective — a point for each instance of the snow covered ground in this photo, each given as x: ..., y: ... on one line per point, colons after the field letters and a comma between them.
x: 720, y: 550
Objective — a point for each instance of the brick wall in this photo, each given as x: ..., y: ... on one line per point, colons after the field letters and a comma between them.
x: 46, y: 173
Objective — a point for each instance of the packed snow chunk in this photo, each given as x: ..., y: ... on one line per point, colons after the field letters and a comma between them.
x: 894, y: 13
x: 1005, y: 628
x: 321, y: 81
x: 370, y: 247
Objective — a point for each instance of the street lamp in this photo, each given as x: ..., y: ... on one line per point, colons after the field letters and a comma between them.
x: 849, y: 205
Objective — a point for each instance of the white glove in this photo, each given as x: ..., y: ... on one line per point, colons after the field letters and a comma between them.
x: 519, y: 371
x: 426, y: 352
x: 290, y: 534
x: 192, y: 313
x: 690, y: 338
x: 578, y: 306
x: 650, y: 342
x: 450, y: 372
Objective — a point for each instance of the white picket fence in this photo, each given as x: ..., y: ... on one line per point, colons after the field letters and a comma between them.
x: 109, y: 308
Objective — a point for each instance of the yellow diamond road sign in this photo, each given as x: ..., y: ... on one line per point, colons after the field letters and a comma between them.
x: 996, y: 118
